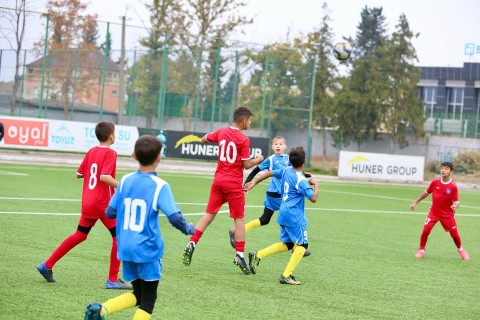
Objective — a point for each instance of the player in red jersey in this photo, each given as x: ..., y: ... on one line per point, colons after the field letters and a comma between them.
x: 444, y: 203
x: 227, y: 186
x: 98, y: 172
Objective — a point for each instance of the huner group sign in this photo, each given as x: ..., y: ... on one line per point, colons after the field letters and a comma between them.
x: 380, y: 166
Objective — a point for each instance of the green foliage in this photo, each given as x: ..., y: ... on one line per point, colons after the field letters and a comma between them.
x: 361, y: 267
x: 401, y: 111
x: 467, y: 162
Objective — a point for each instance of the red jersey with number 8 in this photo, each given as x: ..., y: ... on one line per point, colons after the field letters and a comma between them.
x: 96, y: 194
x: 233, y: 148
x: 443, y: 196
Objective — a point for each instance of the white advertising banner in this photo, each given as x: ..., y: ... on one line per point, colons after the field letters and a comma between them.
x: 58, y: 135
x: 380, y: 166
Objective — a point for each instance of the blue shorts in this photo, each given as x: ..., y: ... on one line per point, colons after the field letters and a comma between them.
x: 149, y: 271
x: 272, y: 203
x: 297, y: 235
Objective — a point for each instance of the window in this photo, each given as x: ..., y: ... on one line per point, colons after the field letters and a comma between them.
x: 114, y: 92
x: 455, y: 103
x: 430, y: 99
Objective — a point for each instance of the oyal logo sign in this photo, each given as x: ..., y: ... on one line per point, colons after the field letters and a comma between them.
x: 26, y: 132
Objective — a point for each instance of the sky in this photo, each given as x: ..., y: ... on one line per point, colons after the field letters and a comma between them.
x: 444, y: 26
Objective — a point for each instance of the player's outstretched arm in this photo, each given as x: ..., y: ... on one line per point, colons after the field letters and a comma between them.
x: 250, y: 163
x: 178, y: 221
x: 314, y: 183
x: 414, y: 204
x: 252, y: 175
x: 109, y: 180
x: 257, y: 180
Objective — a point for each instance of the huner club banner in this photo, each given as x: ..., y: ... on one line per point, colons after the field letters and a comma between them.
x: 184, y: 144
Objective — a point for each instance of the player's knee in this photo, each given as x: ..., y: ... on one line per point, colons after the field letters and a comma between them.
x: 305, y: 245
x: 266, y: 216
x: 290, y: 245
x: 113, y: 231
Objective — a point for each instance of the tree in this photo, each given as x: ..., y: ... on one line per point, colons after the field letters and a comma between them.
x: 319, y: 44
x: 104, y: 48
x: 68, y: 46
x: 206, y: 20
x: 164, y: 19
x: 402, y: 109
x: 362, y: 94
x: 16, y: 18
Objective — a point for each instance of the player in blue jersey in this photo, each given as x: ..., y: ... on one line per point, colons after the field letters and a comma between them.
x: 278, y: 160
x: 136, y: 204
x: 291, y: 216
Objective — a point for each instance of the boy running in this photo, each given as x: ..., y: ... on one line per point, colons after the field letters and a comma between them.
x: 98, y: 172
x: 291, y: 216
x: 140, y: 197
x: 227, y: 186
x: 278, y: 160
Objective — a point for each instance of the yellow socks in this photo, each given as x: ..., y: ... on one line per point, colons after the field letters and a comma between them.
x: 252, y: 225
x: 122, y: 302
x: 273, y: 249
x: 141, y: 315
x: 295, y: 259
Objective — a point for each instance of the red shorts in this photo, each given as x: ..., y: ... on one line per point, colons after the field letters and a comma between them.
x: 448, y: 222
x: 234, y: 196
x: 107, y: 222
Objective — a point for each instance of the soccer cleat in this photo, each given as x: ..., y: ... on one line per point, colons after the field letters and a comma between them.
x: 118, y: 285
x: 307, y: 253
x: 46, y: 273
x: 93, y: 312
x: 420, y: 254
x: 464, y: 254
x: 289, y: 280
x: 187, y: 254
x: 231, y: 233
x: 239, y: 261
x: 253, y: 262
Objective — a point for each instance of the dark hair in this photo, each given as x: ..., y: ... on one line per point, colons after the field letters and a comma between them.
x: 147, y: 149
x: 103, y: 130
x: 447, y: 164
x: 297, y: 156
x: 241, y: 113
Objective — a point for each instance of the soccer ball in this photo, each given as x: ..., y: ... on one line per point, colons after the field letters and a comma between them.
x: 342, y: 50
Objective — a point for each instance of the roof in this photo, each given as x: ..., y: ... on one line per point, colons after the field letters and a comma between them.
x: 93, y: 59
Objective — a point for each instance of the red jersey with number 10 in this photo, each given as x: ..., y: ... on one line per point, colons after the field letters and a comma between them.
x: 96, y: 194
x: 444, y: 194
x: 233, y: 147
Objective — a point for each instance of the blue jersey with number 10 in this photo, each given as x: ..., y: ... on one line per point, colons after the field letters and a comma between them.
x: 138, y: 199
x: 295, y: 189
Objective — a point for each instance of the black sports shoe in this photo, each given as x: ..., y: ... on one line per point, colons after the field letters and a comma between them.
x: 253, y: 262
x: 239, y: 261
x: 289, y: 280
x: 231, y: 233
x: 307, y: 253
x: 93, y: 312
x: 46, y: 273
x: 187, y: 254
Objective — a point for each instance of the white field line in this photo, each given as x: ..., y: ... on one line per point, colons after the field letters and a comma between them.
x: 329, y: 210
x: 10, y: 173
x: 425, y: 202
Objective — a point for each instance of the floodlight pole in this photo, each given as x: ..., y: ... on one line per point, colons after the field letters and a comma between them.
x: 310, y: 114
x: 121, y: 91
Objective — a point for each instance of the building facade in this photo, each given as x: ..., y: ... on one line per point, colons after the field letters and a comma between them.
x: 452, y: 99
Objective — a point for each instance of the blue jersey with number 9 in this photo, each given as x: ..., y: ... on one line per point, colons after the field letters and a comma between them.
x: 295, y: 189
